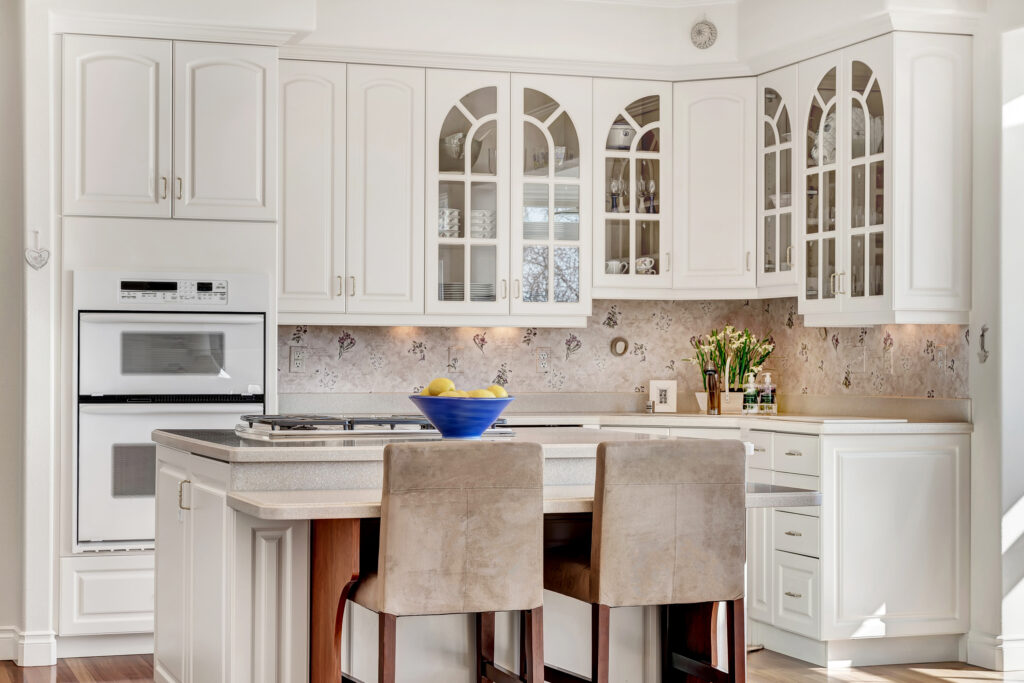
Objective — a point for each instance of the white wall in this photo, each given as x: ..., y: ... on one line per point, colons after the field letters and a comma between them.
x: 11, y: 267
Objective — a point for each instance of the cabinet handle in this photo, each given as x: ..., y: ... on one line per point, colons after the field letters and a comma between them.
x: 341, y: 286
x: 842, y: 283
x: 832, y: 283
x: 789, y: 255
x: 181, y: 485
x: 163, y: 187
x: 760, y: 450
x: 668, y: 261
x: 352, y: 282
x: 748, y: 261
x: 794, y: 453
x: 179, y: 187
x: 504, y: 289
x: 793, y: 533
x: 794, y: 595
x: 517, y: 289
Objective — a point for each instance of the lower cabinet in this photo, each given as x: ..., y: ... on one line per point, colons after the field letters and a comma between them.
x: 108, y: 593
x: 231, y: 590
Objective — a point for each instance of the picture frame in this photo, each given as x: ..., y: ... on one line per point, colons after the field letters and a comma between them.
x: 663, y: 395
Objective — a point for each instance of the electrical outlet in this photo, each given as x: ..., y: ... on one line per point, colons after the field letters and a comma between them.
x: 543, y: 355
x: 297, y: 356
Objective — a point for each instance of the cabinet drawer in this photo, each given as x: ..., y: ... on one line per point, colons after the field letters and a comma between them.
x: 657, y: 431
x: 796, y: 453
x: 704, y: 433
x: 796, y: 533
x: 762, y: 457
x: 797, y: 582
x: 799, y: 481
x: 106, y: 594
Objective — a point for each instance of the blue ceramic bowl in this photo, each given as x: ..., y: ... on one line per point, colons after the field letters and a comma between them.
x: 461, y: 418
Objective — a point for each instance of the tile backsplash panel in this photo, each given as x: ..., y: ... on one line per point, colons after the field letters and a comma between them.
x: 886, y: 360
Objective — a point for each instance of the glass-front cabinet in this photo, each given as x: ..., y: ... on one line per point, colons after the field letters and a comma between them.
x: 467, y: 192
x: 551, y: 120
x: 776, y: 175
x: 632, y: 209
x: 844, y: 213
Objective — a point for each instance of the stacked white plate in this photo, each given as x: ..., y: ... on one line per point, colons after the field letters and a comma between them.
x: 481, y: 291
x: 451, y: 291
x: 535, y: 231
x: 448, y: 222
x: 483, y: 223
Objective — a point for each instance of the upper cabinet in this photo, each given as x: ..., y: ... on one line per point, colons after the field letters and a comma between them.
x: 776, y: 174
x: 119, y: 130
x: 384, y: 236
x: 632, y: 184
x: 468, y: 167
x: 311, y: 274
x: 117, y: 127
x: 551, y: 181
x: 714, y: 157
x: 225, y: 131
x: 885, y: 182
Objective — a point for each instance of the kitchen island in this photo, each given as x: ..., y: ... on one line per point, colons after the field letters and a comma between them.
x: 234, y: 569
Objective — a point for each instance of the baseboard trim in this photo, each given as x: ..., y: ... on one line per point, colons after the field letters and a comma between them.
x: 105, y: 645
x: 999, y: 653
x: 36, y: 648
x: 8, y: 643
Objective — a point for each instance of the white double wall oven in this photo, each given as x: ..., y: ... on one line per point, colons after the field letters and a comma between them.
x: 155, y: 351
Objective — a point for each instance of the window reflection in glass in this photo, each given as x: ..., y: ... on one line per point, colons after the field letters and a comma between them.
x: 567, y: 274
x: 535, y: 274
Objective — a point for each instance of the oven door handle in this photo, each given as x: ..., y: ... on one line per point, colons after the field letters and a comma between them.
x: 172, y: 318
x: 168, y: 408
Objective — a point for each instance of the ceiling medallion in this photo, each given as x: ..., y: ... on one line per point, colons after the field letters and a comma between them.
x: 703, y: 34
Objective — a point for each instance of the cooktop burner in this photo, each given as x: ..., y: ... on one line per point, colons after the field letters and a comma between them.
x: 280, y: 424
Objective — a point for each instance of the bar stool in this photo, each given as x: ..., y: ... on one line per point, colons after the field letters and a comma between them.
x: 668, y: 530
x: 461, y: 532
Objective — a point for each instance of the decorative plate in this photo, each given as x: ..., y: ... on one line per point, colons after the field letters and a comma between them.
x: 703, y: 34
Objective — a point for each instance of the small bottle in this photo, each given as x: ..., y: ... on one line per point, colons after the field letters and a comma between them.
x: 750, y: 392
x: 714, y: 390
x: 766, y: 397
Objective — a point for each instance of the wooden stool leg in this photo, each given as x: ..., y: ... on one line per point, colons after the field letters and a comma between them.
x: 534, y: 661
x: 737, y: 641
x: 386, y: 648
x: 484, y: 644
x: 599, y: 643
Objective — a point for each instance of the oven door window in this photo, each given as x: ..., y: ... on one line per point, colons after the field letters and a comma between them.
x: 133, y: 469
x: 172, y: 353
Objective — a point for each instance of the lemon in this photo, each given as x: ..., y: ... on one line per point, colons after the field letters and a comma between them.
x: 439, y: 385
x: 481, y: 393
x: 425, y: 392
x: 462, y: 394
x: 498, y: 391
x: 450, y: 394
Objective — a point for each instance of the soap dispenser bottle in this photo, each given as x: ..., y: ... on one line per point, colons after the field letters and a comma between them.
x: 750, y: 394
x: 766, y: 400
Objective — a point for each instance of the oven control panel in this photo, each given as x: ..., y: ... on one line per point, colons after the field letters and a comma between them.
x: 213, y: 292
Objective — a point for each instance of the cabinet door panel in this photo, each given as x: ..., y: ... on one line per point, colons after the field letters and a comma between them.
x: 759, y: 555
x: 225, y: 131
x: 171, y: 616
x: 117, y: 127
x: 385, y: 189
x: 312, y: 214
x: 208, y: 526
x: 777, y: 198
x: 715, y: 150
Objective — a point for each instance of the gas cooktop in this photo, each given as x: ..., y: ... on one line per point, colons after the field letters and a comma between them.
x: 316, y: 426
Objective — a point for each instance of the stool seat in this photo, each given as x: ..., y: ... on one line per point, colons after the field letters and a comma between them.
x: 567, y: 571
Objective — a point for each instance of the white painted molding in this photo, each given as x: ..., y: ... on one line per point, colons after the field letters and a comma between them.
x: 105, y: 646
x: 672, y: 4
x: 36, y: 648
x: 533, y: 65
x: 998, y: 653
x: 433, y: 320
x: 62, y: 21
x: 8, y: 643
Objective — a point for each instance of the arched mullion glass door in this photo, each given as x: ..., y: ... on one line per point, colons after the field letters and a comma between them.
x: 820, y: 257
x: 867, y: 184
x: 471, y: 274
x: 777, y: 236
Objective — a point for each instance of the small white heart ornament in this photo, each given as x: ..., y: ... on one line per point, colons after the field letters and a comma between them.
x: 37, y: 258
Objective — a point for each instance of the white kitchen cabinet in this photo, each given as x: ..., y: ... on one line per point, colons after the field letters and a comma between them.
x: 192, y: 600
x: 633, y: 169
x: 884, y: 178
x: 311, y: 273
x: 116, y: 127
x: 758, y: 600
x: 384, y: 247
x: 225, y: 131
x: 776, y: 176
x: 104, y: 593
x: 714, y: 153
x: 797, y: 593
x: 551, y: 183
x: 468, y: 168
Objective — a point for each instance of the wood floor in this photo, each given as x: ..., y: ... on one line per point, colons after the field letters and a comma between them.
x: 762, y: 667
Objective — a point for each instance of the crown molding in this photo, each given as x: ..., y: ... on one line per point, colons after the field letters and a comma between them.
x: 671, y: 4
x: 534, y: 65
x: 147, y: 27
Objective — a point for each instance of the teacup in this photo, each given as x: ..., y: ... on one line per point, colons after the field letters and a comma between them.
x: 616, y: 266
x: 644, y: 264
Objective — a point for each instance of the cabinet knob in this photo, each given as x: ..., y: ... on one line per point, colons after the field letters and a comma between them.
x: 794, y: 595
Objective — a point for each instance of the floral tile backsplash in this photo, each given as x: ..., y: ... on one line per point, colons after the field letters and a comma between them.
x: 886, y: 360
